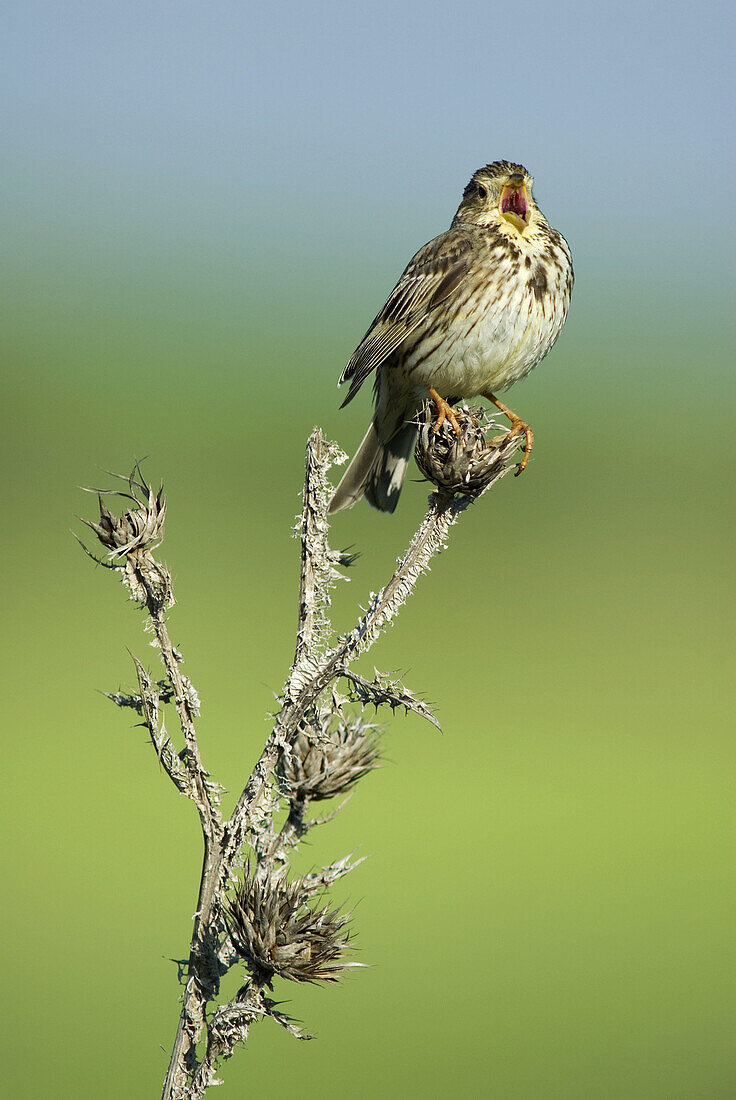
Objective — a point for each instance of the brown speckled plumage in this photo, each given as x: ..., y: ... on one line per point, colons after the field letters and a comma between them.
x: 475, y: 310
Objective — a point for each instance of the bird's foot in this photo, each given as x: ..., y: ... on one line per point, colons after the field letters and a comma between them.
x: 445, y: 412
x: 517, y: 427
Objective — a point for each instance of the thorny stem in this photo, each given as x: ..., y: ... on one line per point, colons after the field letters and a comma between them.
x: 229, y: 1025
x: 290, y: 832
x: 309, y: 534
x: 429, y: 540
x: 211, y: 818
x: 202, y: 976
x: 315, y: 667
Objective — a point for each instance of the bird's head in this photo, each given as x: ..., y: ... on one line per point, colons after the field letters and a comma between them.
x: 499, y: 194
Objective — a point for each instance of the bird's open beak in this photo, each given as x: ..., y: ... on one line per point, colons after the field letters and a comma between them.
x: 514, y: 204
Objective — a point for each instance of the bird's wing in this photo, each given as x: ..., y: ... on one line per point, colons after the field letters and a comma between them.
x: 430, y: 278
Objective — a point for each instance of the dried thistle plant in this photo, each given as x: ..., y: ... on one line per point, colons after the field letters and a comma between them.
x: 324, y: 764
x: 319, y: 748
x: 464, y: 464
x: 275, y: 930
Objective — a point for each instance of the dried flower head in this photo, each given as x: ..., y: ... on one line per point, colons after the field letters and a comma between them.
x: 273, y: 927
x: 465, y: 463
x: 133, y: 536
x: 322, y: 764
x: 139, y: 528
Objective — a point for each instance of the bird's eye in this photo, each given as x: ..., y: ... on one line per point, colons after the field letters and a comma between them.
x: 482, y: 192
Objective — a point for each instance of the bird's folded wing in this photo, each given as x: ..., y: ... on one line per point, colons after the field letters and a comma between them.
x: 430, y: 278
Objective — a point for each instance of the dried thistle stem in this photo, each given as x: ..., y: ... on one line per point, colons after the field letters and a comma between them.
x: 303, y: 737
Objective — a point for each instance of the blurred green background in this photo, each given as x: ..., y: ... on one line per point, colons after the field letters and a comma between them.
x: 205, y: 207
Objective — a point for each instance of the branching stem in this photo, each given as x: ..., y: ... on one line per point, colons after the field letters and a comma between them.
x: 319, y: 661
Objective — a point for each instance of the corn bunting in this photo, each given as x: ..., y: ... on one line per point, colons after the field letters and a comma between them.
x: 475, y: 310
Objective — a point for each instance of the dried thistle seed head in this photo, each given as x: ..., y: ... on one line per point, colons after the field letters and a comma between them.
x: 139, y: 528
x: 133, y: 536
x: 323, y: 764
x: 458, y: 464
x: 272, y: 927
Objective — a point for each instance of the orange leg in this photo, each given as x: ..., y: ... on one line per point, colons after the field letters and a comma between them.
x: 517, y: 426
x: 444, y: 412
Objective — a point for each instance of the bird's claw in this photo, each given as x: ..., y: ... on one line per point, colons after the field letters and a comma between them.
x: 528, y: 444
x: 517, y: 425
x: 445, y: 412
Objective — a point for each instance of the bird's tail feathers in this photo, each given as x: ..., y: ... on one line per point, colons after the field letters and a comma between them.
x: 377, y: 471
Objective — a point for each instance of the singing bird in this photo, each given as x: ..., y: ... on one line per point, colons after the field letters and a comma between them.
x: 475, y: 310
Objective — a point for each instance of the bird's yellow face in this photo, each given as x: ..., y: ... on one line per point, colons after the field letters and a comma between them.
x: 499, y: 194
